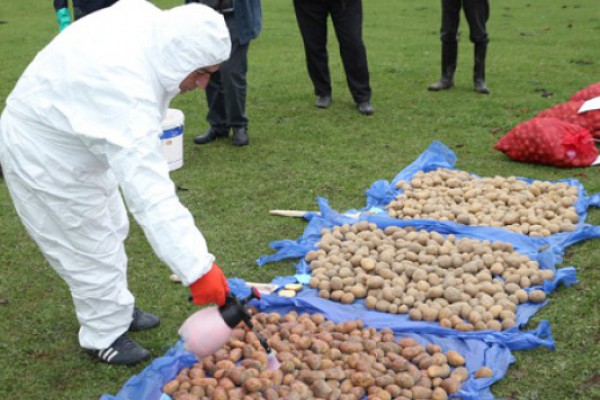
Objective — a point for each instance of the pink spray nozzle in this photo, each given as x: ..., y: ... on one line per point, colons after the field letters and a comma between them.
x: 208, y: 329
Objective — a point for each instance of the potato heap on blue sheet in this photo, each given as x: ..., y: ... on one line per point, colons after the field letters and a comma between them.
x: 537, y: 209
x: 462, y: 283
x: 321, y: 360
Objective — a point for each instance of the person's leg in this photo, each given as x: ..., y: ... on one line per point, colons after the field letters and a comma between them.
x: 81, y: 8
x: 347, y: 17
x: 233, y: 81
x: 215, y: 99
x: 72, y: 209
x: 449, y: 39
x: 312, y: 21
x: 477, y: 13
x: 118, y: 215
x: 217, y: 113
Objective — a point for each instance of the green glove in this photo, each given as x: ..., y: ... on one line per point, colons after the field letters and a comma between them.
x: 63, y: 16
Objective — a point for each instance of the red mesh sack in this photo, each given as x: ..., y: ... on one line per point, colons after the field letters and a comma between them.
x: 549, y: 141
x: 587, y: 93
x: 568, y: 112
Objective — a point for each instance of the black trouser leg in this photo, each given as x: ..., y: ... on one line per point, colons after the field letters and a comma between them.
x: 312, y: 21
x: 233, y: 78
x: 215, y: 99
x: 477, y: 13
x: 347, y: 17
x: 449, y: 37
x: 226, y: 90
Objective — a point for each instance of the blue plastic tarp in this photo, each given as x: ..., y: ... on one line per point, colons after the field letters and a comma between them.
x: 148, y: 384
x: 480, y: 348
x: 491, y: 349
x: 548, y: 251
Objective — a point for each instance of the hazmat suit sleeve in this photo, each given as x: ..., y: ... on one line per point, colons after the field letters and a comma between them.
x: 143, y: 175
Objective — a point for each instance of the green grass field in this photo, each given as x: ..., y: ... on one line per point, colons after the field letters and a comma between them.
x: 298, y: 153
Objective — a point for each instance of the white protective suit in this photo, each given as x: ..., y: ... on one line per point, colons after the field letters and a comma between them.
x: 85, y: 119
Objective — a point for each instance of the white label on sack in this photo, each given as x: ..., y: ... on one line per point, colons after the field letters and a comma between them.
x: 591, y: 104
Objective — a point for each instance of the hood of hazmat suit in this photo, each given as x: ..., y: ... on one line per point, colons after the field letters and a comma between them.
x: 101, y: 88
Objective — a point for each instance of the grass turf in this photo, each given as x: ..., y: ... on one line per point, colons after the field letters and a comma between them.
x: 540, y: 53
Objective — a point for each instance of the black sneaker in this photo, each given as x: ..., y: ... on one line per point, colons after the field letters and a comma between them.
x: 123, y: 351
x: 143, y: 320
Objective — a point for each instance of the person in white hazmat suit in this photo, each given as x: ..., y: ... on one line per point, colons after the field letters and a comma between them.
x: 85, y: 121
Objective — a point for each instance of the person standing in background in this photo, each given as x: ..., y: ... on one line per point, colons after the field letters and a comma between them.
x: 226, y: 91
x: 477, y: 13
x: 347, y: 18
x: 81, y: 8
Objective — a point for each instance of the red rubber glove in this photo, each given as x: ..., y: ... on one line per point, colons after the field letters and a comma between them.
x: 210, y: 288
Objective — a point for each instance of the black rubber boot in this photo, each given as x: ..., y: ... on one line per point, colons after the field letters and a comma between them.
x: 479, y: 69
x: 449, y: 56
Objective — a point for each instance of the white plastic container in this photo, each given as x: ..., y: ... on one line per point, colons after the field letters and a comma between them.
x: 172, y: 138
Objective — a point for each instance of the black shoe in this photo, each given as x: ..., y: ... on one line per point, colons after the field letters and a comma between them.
x: 143, y: 320
x: 240, y: 136
x: 365, y: 108
x: 442, y: 84
x: 480, y: 87
x: 123, y: 351
x: 210, y: 135
x: 323, y: 101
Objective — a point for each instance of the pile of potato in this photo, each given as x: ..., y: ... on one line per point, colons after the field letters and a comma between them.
x: 465, y: 284
x: 321, y: 360
x: 537, y: 209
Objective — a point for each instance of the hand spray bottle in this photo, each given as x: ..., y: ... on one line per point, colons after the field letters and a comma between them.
x: 208, y: 329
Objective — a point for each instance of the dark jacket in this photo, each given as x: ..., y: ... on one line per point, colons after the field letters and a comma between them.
x: 83, y: 7
x: 248, y: 18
